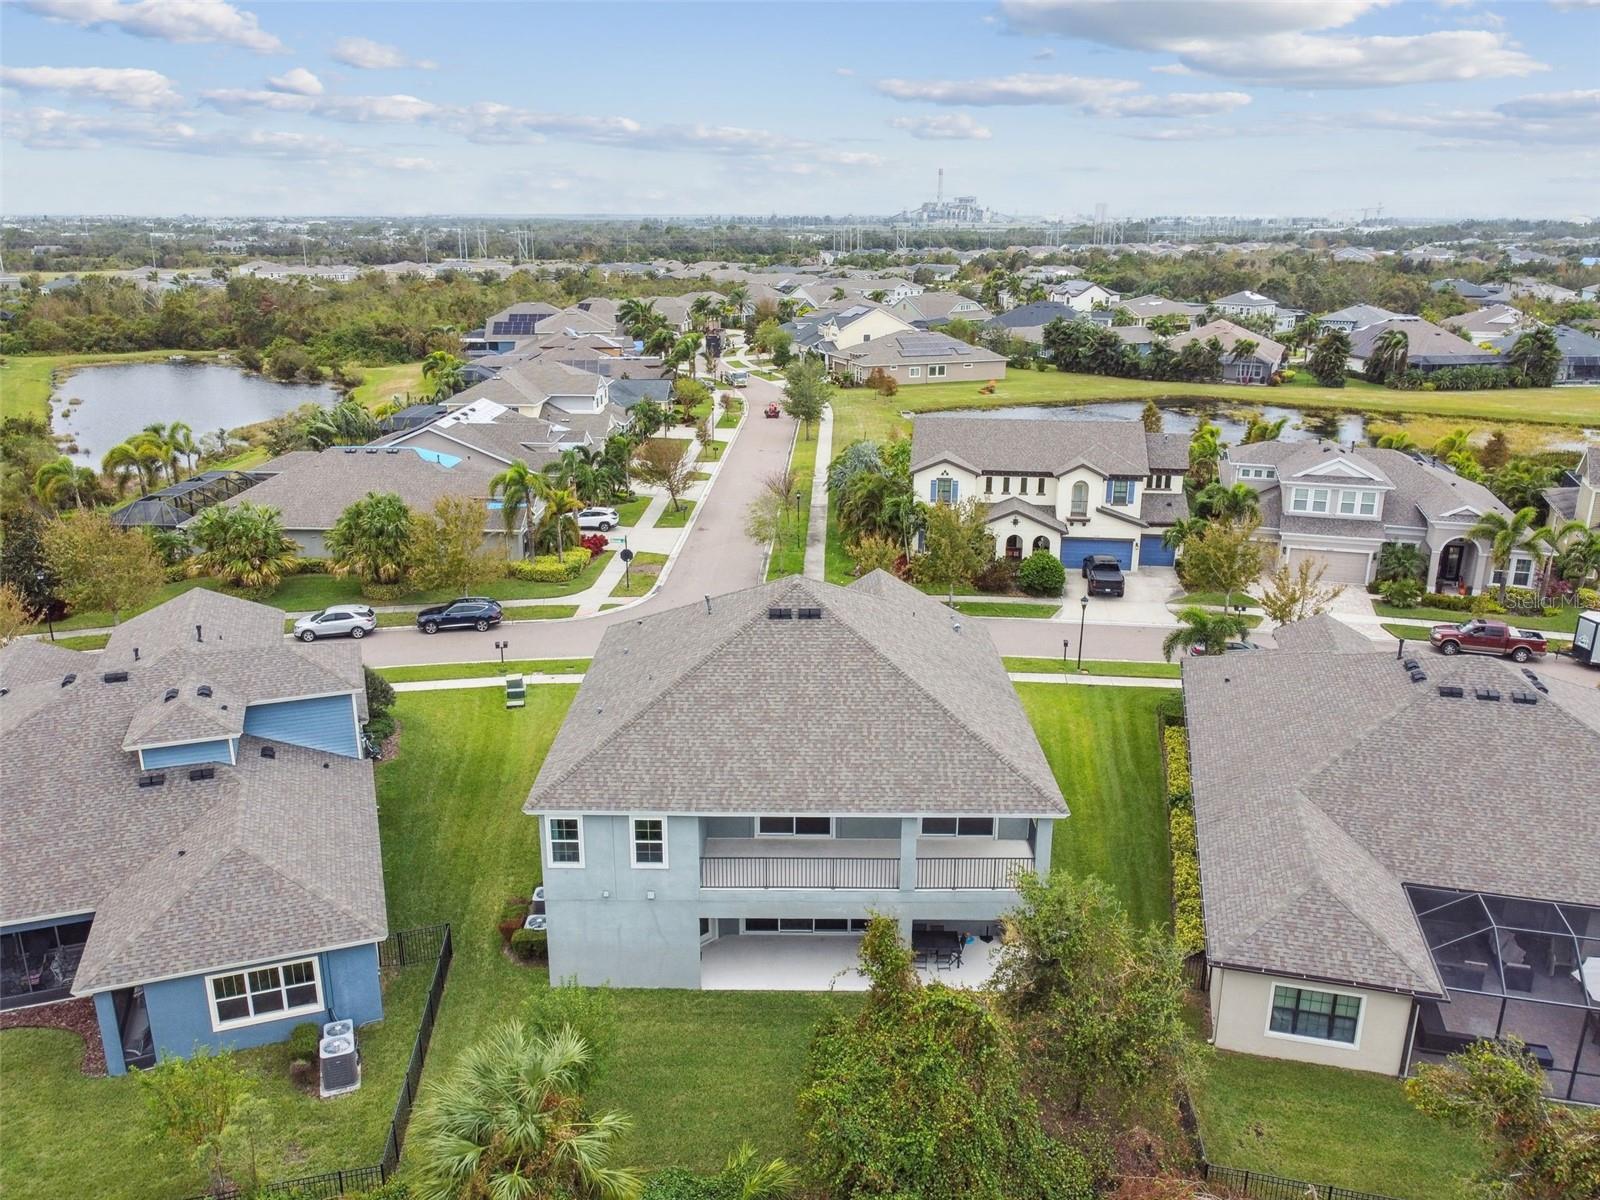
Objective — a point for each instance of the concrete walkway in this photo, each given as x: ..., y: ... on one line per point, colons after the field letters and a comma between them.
x: 817, y: 529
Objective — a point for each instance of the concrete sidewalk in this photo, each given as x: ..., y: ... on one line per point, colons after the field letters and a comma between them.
x: 816, y: 563
x: 490, y: 681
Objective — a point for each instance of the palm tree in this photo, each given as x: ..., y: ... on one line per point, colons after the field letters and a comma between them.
x: 581, y: 469
x: 1205, y: 451
x: 518, y: 486
x: 560, y: 513
x: 509, y: 1121
x: 445, y: 370
x: 683, y: 351
x: 373, y: 539
x: 1227, y: 503
x: 1211, y: 631
x: 1305, y: 334
x: 140, y: 453
x: 1398, y: 440
x: 62, y: 479
x: 1536, y: 355
x: 1565, y: 545
x: 1261, y: 430
x: 660, y: 341
x: 702, y: 309
x: 1390, y: 355
x: 1453, y: 443
x: 637, y: 316
x: 1181, y: 531
x: 1508, y: 537
x: 738, y: 297
x: 243, y: 545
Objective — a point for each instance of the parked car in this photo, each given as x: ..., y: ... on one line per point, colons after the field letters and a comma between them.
x: 1104, y: 574
x: 469, y: 612
x: 1227, y: 648
x: 603, y: 519
x: 343, y: 620
x: 1480, y: 636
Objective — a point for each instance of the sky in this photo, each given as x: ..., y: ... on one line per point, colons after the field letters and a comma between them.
x: 1037, y: 107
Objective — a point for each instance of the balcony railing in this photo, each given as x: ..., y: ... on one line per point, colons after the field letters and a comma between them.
x: 820, y: 873
x: 970, y: 874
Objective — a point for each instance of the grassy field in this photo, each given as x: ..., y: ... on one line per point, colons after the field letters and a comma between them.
x: 675, y: 518
x: 485, y: 670
x: 1092, y: 666
x: 381, y: 384
x: 1327, y: 1126
x: 996, y: 608
x: 862, y: 413
x: 789, y: 549
x: 641, y: 575
x: 1565, y: 622
x: 25, y: 380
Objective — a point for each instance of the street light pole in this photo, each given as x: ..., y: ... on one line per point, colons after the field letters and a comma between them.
x: 1083, y: 611
x: 49, y: 608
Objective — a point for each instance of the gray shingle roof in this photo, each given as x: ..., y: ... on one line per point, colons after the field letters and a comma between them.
x: 917, y: 347
x: 1162, y: 508
x: 1000, y: 443
x: 1229, y: 334
x: 1426, y: 340
x: 1323, y: 633
x: 1323, y: 784
x: 880, y: 706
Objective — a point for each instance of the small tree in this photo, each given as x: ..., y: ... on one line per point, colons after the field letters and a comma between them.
x: 688, y: 395
x: 1041, y: 574
x: 875, y: 553
x: 774, y: 509
x: 1225, y: 556
x: 99, y: 566
x: 1295, y: 593
x: 953, y: 544
x: 663, y: 463
x: 1539, y: 1150
x: 1210, y: 631
x: 193, y: 1104
x: 373, y: 539
x: 1150, y: 417
x: 15, y: 613
x: 808, y: 391
x: 451, y: 550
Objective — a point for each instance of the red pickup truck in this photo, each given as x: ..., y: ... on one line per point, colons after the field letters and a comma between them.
x: 1480, y: 636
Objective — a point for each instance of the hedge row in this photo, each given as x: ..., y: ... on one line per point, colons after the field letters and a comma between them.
x: 1175, y: 745
x: 1188, y: 924
x: 548, y: 568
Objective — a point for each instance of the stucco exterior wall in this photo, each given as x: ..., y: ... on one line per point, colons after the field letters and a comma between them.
x: 1241, y: 1004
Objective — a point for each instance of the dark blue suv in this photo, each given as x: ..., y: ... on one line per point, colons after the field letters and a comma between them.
x: 469, y: 612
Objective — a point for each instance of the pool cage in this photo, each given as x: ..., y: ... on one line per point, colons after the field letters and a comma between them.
x: 1514, y: 967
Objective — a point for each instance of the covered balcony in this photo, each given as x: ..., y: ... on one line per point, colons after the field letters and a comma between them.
x: 832, y: 864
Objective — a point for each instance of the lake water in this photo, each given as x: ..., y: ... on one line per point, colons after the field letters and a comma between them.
x: 123, y: 399
x: 1303, y: 426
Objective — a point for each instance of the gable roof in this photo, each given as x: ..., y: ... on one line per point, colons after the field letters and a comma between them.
x: 1266, y: 350
x: 1323, y: 633
x: 794, y: 712
x: 1427, y: 341
x: 992, y: 442
x: 914, y: 347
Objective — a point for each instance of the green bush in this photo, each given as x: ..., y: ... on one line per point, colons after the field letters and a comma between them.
x: 303, y: 1041
x: 1447, y: 601
x: 1588, y: 598
x: 380, y: 692
x: 1401, y: 593
x: 1042, y: 574
x: 1188, y: 922
x: 530, y: 945
x: 549, y: 568
x: 512, y: 914
x: 590, y: 1011
x: 1175, y: 746
x: 381, y: 728
x: 1485, y: 605
x: 1169, y: 709
x: 999, y: 576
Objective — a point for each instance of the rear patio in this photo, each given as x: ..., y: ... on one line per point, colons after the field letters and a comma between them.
x: 819, y: 962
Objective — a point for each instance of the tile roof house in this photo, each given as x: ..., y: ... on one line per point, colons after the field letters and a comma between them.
x: 1065, y: 486
x: 1369, y: 920
x: 656, y: 867
x: 191, y: 831
x: 917, y: 356
x: 1337, y: 506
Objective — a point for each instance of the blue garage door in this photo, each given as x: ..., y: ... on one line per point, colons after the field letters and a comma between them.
x: 1073, y: 551
x: 1153, y: 554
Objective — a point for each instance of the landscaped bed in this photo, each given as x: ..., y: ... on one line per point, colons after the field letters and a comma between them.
x: 1566, y: 621
x: 641, y: 574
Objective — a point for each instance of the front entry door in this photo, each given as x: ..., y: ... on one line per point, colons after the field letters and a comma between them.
x: 1450, y: 565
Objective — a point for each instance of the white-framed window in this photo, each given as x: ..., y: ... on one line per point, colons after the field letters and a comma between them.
x: 1160, y: 483
x: 936, y: 370
x: 1308, y: 500
x: 914, y: 372
x: 1039, y: 491
x: 1307, y: 1014
x: 648, y: 836
x: 1521, y: 573
x: 270, y: 993
x: 1005, y: 485
x: 944, y: 491
x: 957, y: 826
x: 988, y: 485
x: 1122, y: 491
x: 1358, y: 503
x: 805, y: 924
x: 563, y: 841
x: 794, y: 826
x: 1080, y: 499
x: 1257, y: 472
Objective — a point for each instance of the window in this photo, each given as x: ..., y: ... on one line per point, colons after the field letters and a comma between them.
x: 1121, y: 491
x: 805, y: 924
x: 988, y: 485
x: 1320, y: 1016
x: 914, y: 372
x: 1521, y: 573
x: 936, y: 371
x: 957, y: 826
x: 1005, y: 485
x: 264, y: 994
x: 1160, y: 483
x: 1080, y: 499
x: 1257, y: 473
x: 649, y: 842
x: 566, y: 841
x: 1358, y: 503
x: 944, y: 491
x: 1308, y: 500
x: 1039, y: 491
x: 794, y: 826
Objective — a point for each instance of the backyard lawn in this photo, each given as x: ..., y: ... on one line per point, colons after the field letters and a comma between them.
x: 381, y: 384
x: 1323, y: 1125
x: 485, y: 670
x: 1091, y: 666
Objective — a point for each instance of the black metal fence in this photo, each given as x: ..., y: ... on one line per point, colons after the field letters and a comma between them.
x: 1253, y: 1185
x: 406, y: 947
x: 970, y: 874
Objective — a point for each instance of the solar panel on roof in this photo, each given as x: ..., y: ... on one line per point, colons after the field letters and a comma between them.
x: 929, y: 344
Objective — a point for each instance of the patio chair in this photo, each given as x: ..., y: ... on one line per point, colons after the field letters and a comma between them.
x: 1519, y: 977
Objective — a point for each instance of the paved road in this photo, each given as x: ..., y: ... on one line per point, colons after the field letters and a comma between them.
x: 718, y: 557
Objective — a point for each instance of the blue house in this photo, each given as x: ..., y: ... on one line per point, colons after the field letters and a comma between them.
x: 191, y: 832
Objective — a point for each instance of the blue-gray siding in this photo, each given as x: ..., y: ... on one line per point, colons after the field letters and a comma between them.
x: 185, y: 755
x: 322, y: 723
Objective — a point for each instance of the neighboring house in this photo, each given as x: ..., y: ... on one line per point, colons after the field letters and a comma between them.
x: 503, y: 331
x: 485, y: 435
x: 191, y: 832
x: 1465, y: 288
x: 843, y: 326
x: 311, y: 490
x: 1487, y: 324
x: 1246, y: 304
x: 1362, y: 919
x: 1081, y: 295
x: 918, y: 356
x: 1068, y: 487
x: 753, y: 855
x: 1431, y: 347
x: 820, y: 292
x: 1142, y: 308
x: 1539, y: 289
x: 1580, y: 353
x: 932, y: 309
x: 1337, y: 507
x: 1359, y: 316
x: 1354, y: 254
x: 1027, y: 321
x: 545, y: 387
x: 1256, y: 365
x: 1579, y: 500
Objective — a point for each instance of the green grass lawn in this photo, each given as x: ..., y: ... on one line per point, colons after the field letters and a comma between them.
x: 641, y: 574
x: 485, y: 670
x: 711, y: 451
x: 732, y: 413
x: 789, y: 548
x: 839, y: 567
x: 1326, y: 1126
x: 1565, y: 622
x: 25, y: 379
x: 85, y: 641
x: 381, y: 384
x: 996, y: 608
x: 1419, y: 633
x: 1101, y: 744
x: 630, y: 512
x: 675, y: 518
x: 1213, y: 599
x: 1091, y: 666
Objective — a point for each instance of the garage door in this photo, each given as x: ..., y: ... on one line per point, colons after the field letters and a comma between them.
x: 1152, y: 553
x: 1343, y: 566
x: 1075, y: 550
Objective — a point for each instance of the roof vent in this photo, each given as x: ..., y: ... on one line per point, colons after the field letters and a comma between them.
x: 1490, y: 694
x: 1524, y: 698
x: 199, y: 633
x: 136, y: 654
x: 200, y: 774
x: 349, y: 449
x: 155, y: 780
x: 372, y: 449
x: 1419, y: 676
x: 66, y: 680
x: 1411, y: 664
x: 203, y: 691
x: 392, y: 450
x: 1450, y: 691
x: 114, y: 677
x: 809, y: 614
x: 268, y: 752
x: 780, y: 614
x: 172, y: 694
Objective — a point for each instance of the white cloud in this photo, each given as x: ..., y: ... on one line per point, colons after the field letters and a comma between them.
x: 1554, y: 104
x: 1551, y: 119
x: 183, y: 21
x: 1276, y: 42
x: 1171, y: 69
x: 1174, y: 104
x: 52, y: 129
x: 131, y: 87
x: 846, y: 72
x: 299, y: 82
x: 398, y: 109
x: 1047, y: 52
x: 493, y: 123
x: 1024, y: 88
x: 375, y: 56
x: 944, y: 127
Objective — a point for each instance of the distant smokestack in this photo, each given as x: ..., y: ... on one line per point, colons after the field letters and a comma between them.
x: 939, y: 194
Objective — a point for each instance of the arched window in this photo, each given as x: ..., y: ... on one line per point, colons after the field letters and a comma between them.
x: 1080, y: 499
x: 1013, y: 546
x: 1042, y: 543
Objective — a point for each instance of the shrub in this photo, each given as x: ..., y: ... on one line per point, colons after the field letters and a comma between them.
x: 512, y: 914
x: 882, y: 382
x: 595, y: 544
x: 548, y: 568
x: 303, y: 1073
x: 1485, y: 605
x: 999, y: 576
x: 1448, y: 601
x: 1401, y: 593
x: 1170, y: 707
x: 303, y: 1041
x: 590, y: 1012
x: 530, y: 946
x: 1175, y: 747
x: 1042, y: 574
x: 380, y: 693
x: 1522, y: 600
x: 1589, y: 598
x: 1188, y: 924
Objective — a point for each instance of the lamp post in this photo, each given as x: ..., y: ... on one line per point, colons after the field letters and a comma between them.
x: 1083, y: 612
x: 49, y: 608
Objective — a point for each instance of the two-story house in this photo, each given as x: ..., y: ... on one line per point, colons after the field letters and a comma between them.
x: 191, y: 833
x: 1579, y: 500
x: 1337, y: 506
x: 1071, y: 488
x: 844, y: 327
x: 854, y: 751
x: 1081, y: 295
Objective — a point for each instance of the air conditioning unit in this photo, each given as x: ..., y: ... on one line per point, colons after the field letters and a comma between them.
x: 340, y: 1065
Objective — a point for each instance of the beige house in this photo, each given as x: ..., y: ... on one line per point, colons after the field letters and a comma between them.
x: 917, y: 357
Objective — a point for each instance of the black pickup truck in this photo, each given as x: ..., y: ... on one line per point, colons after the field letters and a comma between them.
x: 1104, y: 575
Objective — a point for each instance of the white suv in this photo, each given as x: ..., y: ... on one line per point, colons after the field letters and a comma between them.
x: 603, y: 519
x: 352, y: 620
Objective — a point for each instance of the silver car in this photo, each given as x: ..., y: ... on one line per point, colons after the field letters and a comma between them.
x: 603, y: 519
x: 342, y: 620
